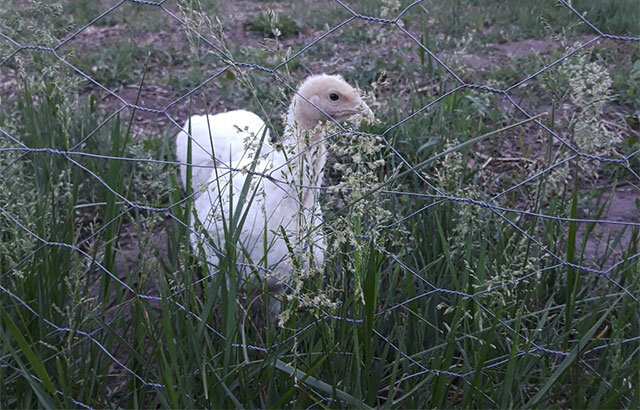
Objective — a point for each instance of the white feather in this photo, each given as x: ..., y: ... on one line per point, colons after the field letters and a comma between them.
x: 222, y: 134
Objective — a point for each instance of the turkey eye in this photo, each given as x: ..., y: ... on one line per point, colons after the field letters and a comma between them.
x: 334, y: 97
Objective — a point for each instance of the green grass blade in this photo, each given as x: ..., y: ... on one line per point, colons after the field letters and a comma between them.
x: 319, y: 384
x: 571, y: 359
x: 32, y: 358
x: 572, y: 273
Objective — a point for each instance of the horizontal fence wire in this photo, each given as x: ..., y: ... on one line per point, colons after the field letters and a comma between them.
x: 437, y: 195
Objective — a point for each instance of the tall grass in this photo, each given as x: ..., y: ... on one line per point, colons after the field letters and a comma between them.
x: 104, y: 302
x: 417, y: 339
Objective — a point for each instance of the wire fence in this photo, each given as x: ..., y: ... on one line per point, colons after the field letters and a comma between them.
x: 437, y: 196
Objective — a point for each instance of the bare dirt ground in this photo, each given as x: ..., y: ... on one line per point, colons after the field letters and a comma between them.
x: 622, y: 208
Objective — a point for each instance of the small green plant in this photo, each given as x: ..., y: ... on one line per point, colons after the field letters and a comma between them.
x: 630, y: 90
x: 273, y: 25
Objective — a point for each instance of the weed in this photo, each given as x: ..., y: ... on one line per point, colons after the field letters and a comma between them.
x: 271, y: 24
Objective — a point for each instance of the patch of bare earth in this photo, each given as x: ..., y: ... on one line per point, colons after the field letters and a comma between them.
x: 497, y: 54
x: 611, y: 241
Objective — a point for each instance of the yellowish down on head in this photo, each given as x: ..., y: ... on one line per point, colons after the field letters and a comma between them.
x: 324, y: 97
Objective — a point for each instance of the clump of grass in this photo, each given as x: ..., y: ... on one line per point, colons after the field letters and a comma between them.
x: 273, y: 25
x: 15, y: 243
x: 590, y: 89
x: 38, y: 22
x: 586, y: 83
x: 356, y: 226
x: 629, y: 87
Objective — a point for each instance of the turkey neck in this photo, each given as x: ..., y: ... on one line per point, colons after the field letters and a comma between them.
x: 304, y: 143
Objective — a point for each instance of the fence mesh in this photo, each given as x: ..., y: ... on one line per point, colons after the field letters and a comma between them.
x: 433, y: 196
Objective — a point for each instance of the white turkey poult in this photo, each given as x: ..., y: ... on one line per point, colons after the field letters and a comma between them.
x: 279, y: 220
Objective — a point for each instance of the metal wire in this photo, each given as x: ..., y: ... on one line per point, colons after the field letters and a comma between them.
x: 437, y: 196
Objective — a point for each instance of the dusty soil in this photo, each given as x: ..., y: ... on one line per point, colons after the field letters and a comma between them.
x: 623, y: 208
x: 498, y: 54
